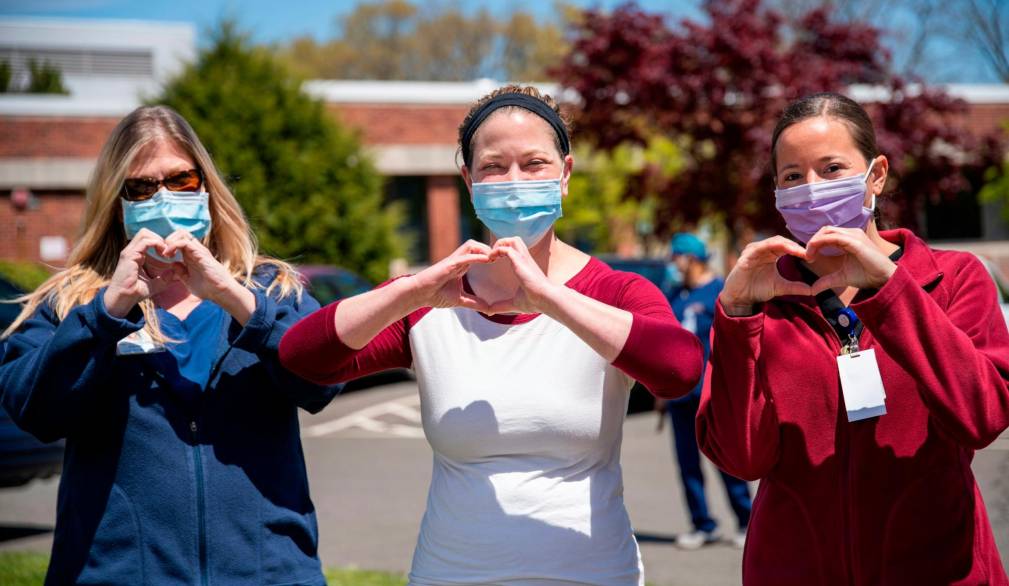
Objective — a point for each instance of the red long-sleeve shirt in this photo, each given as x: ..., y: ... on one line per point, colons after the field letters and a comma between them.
x: 888, y: 500
x: 658, y: 352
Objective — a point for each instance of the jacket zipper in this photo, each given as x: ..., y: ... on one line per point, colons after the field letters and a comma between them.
x: 201, y: 510
x: 845, y: 461
x: 201, y: 505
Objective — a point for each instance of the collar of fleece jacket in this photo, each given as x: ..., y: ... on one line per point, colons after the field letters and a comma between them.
x: 918, y: 259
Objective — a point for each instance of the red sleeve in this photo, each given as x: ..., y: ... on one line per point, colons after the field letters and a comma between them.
x: 958, y: 355
x: 658, y: 353
x: 737, y: 426
x: 313, y: 350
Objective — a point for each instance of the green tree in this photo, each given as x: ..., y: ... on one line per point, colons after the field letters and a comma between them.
x: 597, y: 214
x: 400, y: 39
x: 45, y: 78
x: 308, y: 189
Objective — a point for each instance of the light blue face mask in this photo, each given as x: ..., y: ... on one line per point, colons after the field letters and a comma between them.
x: 526, y: 209
x: 168, y: 211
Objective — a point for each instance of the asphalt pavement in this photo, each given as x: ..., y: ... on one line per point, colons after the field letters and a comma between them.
x: 369, y: 468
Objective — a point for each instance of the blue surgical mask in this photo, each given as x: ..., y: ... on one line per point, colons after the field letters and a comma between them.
x: 168, y: 211
x: 526, y: 209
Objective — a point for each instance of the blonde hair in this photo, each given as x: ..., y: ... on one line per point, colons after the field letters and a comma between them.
x: 96, y: 253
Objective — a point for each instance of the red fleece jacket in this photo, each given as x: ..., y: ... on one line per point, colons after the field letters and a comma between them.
x: 889, y: 500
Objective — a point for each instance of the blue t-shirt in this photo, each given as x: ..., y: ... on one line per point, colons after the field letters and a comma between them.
x: 187, y: 363
x: 695, y: 308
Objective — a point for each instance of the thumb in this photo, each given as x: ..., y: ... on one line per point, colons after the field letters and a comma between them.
x: 829, y: 281
x: 784, y: 286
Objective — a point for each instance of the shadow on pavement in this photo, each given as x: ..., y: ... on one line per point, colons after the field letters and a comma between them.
x: 654, y: 538
x: 12, y: 532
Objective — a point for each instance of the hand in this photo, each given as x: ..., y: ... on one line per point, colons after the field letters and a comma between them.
x: 440, y: 285
x: 756, y: 279
x: 863, y: 266
x: 130, y: 282
x: 534, y: 286
x: 207, y: 278
x: 202, y: 274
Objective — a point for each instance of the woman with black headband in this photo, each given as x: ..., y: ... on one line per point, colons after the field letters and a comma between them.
x: 525, y: 351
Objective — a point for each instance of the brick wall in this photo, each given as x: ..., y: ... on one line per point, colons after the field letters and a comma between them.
x: 54, y: 137
x: 983, y: 118
x: 402, y: 124
x: 57, y: 213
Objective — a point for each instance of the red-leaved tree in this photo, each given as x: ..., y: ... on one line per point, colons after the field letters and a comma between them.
x: 719, y: 87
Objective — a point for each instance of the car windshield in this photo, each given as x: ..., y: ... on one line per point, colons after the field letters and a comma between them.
x: 651, y: 270
x: 330, y: 287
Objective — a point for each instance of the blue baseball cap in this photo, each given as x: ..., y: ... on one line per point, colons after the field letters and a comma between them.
x: 685, y: 243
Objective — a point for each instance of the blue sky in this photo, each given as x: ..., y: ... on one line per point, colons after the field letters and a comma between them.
x: 280, y: 20
x: 272, y: 20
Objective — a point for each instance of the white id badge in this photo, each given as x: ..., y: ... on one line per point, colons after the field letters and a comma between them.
x: 861, y: 385
x: 139, y: 342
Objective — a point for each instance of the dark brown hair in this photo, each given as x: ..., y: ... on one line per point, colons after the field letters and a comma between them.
x: 527, y: 90
x: 833, y: 105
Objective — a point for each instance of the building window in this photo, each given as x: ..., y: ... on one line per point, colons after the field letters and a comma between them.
x: 469, y: 225
x: 411, y: 193
x: 84, y: 62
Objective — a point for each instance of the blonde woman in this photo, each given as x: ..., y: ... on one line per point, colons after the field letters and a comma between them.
x: 155, y: 355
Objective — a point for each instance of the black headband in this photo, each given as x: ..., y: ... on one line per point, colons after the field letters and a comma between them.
x: 530, y: 103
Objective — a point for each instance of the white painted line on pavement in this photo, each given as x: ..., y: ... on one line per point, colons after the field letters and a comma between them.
x: 406, y: 408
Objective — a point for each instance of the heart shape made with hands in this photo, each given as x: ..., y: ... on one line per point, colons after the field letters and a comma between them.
x: 158, y: 270
x: 518, y: 302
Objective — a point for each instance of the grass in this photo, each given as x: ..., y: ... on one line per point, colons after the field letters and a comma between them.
x: 19, y: 568
x: 29, y: 569
x: 351, y: 577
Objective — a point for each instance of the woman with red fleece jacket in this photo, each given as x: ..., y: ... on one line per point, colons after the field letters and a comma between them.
x: 860, y: 484
x: 524, y: 352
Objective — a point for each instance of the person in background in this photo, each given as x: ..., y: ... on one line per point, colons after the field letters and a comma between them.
x: 693, y: 304
x: 154, y: 353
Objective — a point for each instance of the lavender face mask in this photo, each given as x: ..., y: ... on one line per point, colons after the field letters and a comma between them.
x: 837, y: 202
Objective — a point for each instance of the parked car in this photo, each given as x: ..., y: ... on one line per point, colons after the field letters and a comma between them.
x: 22, y: 456
x: 330, y: 283
x: 664, y: 276
x: 1001, y: 284
x: 657, y: 270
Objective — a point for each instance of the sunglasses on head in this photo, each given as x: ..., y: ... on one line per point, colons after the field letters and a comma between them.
x: 143, y: 188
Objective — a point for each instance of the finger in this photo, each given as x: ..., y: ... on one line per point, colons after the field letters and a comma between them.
x: 462, y: 263
x: 143, y: 239
x: 472, y: 302
x: 472, y: 247
x: 829, y: 281
x: 505, y: 306
x: 836, y: 239
x: 185, y: 244
x: 145, y: 232
x: 511, y: 255
x: 778, y: 246
x: 512, y: 243
x: 137, y: 247
x: 787, y: 287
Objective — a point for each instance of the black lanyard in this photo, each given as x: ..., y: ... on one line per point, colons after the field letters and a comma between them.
x: 841, y: 318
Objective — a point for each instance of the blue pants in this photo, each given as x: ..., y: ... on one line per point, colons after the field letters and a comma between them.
x: 683, y: 413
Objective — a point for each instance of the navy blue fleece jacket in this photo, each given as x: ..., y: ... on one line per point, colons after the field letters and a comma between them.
x: 160, y: 487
